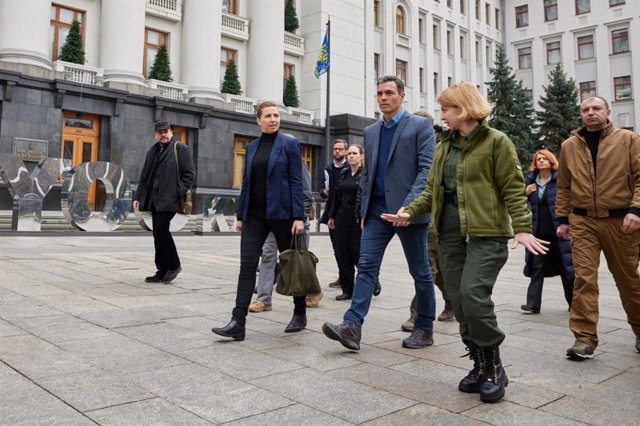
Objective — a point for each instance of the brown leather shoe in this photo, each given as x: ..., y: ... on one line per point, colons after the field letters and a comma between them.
x: 313, y: 300
x: 335, y: 284
x: 408, y: 325
x: 259, y: 306
x: 446, y: 315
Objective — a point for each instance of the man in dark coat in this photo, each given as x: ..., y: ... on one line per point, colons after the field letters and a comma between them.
x: 160, y: 189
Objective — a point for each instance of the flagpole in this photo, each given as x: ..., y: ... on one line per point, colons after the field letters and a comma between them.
x: 327, y: 120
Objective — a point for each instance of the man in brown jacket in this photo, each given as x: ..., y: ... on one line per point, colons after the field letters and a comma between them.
x: 598, y: 207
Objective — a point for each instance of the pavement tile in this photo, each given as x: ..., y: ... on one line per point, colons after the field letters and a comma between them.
x: 58, y: 328
x: 311, y: 357
x: 508, y: 413
x: 296, y: 414
x: 165, y: 336
x: 337, y: 397
x: 90, y: 390
x: 422, y: 414
x: 8, y: 329
x: 588, y: 412
x: 116, y: 317
x: 154, y: 411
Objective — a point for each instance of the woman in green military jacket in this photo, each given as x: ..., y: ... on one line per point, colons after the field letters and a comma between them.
x: 476, y: 195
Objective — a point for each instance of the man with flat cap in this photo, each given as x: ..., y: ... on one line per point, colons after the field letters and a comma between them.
x: 160, y: 189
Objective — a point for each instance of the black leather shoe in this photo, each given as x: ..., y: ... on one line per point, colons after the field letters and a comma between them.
x: 349, y: 335
x: 155, y: 278
x: 377, y: 289
x: 495, y: 378
x: 472, y: 381
x: 419, y: 339
x: 171, y: 275
x: 234, y: 330
x: 297, y: 323
x: 343, y: 296
x: 530, y: 309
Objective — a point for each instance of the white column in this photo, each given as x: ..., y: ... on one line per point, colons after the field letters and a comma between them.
x: 266, y: 50
x: 201, y: 28
x: 24, y: 32
x: 122, y: 41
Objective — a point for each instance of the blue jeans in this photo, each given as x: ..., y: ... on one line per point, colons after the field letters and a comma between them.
x: 375, y: 238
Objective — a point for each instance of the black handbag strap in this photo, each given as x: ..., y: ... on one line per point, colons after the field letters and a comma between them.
x: 298, y: 242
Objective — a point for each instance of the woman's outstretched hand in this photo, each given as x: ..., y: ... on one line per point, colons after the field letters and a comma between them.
x: 399, y: 219
x: 531, y: 243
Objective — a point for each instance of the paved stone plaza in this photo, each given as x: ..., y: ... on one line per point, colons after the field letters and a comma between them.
x: 83, y: 340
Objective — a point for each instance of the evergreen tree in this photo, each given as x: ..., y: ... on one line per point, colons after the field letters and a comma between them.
x: 290, y: 95
x: 559, y: 110
x: 512, y: 109
x: 231, y: 83
x: 161, y: 69
x: 291, y: 23
x: 72, y: 50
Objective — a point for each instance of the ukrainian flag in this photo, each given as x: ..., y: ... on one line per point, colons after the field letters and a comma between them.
x: 322, y: 63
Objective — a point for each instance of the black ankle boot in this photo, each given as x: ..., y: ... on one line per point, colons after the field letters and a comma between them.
x: 495, y: 378
x: 471, y: 383
x: 297, y: 323
x: 234, y: 329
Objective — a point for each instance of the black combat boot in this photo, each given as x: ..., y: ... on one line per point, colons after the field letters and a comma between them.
x: 471, y: 383
x: 495, y: 378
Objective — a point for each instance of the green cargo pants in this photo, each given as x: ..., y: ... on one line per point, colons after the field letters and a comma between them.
x: 470, y: 267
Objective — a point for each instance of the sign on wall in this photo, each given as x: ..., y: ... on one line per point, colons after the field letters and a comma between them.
x: 31, y: 149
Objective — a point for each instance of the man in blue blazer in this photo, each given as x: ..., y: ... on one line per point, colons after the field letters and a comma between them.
x: 398, y: 151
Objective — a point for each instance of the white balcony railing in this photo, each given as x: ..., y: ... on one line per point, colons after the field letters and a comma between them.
x: 242, y: 104
x: 168, y: 90
x: 80, y: 73
x: 293, y: 44
x: 235, y: 27
x: 170, y: 9
x: 304, y: 116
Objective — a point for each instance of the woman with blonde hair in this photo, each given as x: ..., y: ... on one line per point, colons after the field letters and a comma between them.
x: 475, y: 193
x: 541, y: 190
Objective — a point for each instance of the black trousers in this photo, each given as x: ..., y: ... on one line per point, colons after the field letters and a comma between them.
x: 347, y: 246
x: 166, y: 253
x: 254, y: 233
x: 534, y: 292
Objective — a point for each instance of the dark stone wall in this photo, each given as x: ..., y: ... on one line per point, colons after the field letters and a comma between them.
x: 33, y: 108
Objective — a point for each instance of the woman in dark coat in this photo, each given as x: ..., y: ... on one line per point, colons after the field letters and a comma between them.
x: 344, y: 220
x: 541, y: 190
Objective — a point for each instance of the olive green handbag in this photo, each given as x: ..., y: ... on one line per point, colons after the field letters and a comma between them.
x: 298, y: 270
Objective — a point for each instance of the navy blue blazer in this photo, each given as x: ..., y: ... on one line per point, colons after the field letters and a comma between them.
x: 285, y: 199
x: 408, y: 166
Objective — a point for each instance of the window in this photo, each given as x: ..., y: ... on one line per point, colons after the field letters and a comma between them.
x: 524, y: 58
x: 436, y: 35
x: 522, y: 16
x: 616, y: 2
x: 553, y: 53
x: 497, y: 21
x: 289, y: 70
x: 421, y: 74
x: 307, y: 156
x: 583, y: 6
x: 400, y: 29
x: 152, y: 41
x: 487, y: 13
x: 529, y: 94
x: 421, y: 30
x: 463, y: 53
x: 550, y: 10
x: 463, y: 7
x: 376, y: 65
x: 587, y: 90
x: 620, y: 40
x: 436, y: 83
x: 450, y: 4
x: 239, y: 150
x: 230, y: 6
x: 401, y: 71
x: 478, y: 53
x: 376, y: 13
x: 585, y: 47
x: 225, y: 56
x: 622, y: 87
x: 61, y: 19
x: 487, y: 54
x: 478, y: 10
x: 449, y: 81
x: 449, y: 42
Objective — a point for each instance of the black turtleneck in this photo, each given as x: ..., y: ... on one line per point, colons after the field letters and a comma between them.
x: 259, y: 172
x: 593, y: 140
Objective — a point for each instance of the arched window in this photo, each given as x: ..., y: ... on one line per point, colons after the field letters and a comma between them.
x: 400, y: 20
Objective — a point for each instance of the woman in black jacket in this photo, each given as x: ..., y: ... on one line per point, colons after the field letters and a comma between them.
x: 541, y: 190
x: 344, y: 220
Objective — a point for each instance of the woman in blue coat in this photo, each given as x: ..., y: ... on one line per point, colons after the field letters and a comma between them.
x: 541, y: 190
x: 271, y: 200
